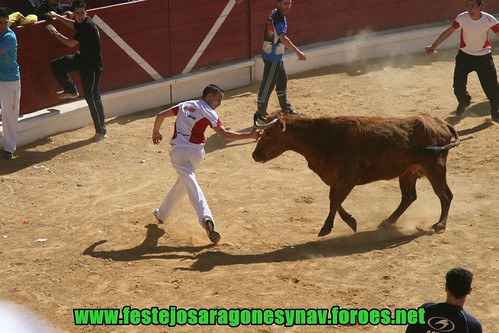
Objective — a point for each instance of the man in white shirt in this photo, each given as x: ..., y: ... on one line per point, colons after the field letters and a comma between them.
x: 193, y: 117
x: 474, y: 55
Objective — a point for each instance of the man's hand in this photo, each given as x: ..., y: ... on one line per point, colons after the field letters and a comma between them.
x: 156, y: 137
x: 51, y: 29
x: 430, y: 49
x: 69, y: 14
x: 52, y: 15
x: 256, y: 133
x: 301, y: 56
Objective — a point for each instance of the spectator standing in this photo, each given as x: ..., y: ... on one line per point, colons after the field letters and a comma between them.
x: 87, y: 61
x: 450, y: 316
x: 30, y: 6
x: 10, y: 85
x: 274, y: 74
x: 474, y: 55
x: 52, y: 6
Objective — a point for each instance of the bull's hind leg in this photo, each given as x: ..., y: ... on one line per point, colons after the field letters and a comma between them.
x: 328, y: 225
x: 336, y: 197
x: 437, y: 178
x: 407, y: 183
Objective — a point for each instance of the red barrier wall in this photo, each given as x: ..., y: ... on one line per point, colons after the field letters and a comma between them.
x: 167, y: 33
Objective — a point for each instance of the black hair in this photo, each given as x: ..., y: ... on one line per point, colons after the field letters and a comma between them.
x: 4, y: 12
x: 79, y: 4
x: 212, y: 89
x: 459, y: 281
x: 479, y: 2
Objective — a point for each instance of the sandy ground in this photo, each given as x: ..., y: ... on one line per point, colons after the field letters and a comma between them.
x: 92, y: 204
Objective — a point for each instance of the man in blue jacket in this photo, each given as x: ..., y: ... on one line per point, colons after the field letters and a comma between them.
x: 274, y: 74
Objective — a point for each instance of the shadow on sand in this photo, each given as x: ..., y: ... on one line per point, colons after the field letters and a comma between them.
x: 148, y: 249
x: 361, y: 242
x: 29, y: 158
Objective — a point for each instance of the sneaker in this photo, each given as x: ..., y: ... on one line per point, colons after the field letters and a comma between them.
x: 7, y: 155
x: 291, y: 112
x: 213, y: 235
x: 155, y: 212
x: 259, y: 120
x: 461, y: 108
x: 99, y: 136
x: 65, y: 95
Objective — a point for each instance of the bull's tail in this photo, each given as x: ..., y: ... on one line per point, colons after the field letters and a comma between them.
x: 455, y: 143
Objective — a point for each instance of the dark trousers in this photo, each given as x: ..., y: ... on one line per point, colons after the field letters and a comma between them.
x: 486, y: 71
x: 274, y: 76
x: 90, y: 80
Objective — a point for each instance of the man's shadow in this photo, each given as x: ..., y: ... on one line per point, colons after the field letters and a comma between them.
x: 361, y: 242
x: 148, y: 249
x: 478, y: 110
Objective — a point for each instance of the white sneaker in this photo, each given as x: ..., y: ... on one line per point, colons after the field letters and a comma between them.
x: 155, y: 212
x: 98, y: 137
x: 213, y: 235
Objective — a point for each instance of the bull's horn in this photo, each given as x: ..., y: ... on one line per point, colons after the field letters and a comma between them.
x: 264, y: 126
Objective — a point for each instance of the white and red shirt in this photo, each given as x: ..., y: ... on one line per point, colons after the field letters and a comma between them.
x: 474, y: 33
x: 193, y: 117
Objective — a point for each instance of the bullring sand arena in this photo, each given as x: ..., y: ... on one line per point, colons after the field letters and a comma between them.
x: 77, y: 229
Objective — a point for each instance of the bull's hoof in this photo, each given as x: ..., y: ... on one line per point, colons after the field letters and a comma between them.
x: 438, y: 227
x: 386, y: 224
x: 324, y: 231
x: 352, y: 223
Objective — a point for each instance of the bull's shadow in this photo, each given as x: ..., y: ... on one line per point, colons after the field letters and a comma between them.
x: 361, y: 242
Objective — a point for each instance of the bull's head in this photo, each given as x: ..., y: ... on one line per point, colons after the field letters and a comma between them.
x: 272, y: 143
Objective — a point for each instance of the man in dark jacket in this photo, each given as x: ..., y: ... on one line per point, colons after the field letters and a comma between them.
x: 51, y: 6
x: 449, y: 316
x: 88, y: 61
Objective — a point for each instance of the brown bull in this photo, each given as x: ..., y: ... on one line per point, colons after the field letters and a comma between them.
x: 350, y: 151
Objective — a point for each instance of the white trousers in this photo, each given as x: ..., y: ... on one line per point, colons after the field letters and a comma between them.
x: 10, y: 97
x: 185, y: 161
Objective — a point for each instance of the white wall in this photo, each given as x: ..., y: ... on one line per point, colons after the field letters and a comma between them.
x: 73, y: 115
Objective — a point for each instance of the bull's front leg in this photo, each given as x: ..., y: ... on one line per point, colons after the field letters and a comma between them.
x: 349, y: 219
x: 336, y: 197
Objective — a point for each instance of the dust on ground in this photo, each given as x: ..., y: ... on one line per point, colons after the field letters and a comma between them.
x: 92, y: 203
